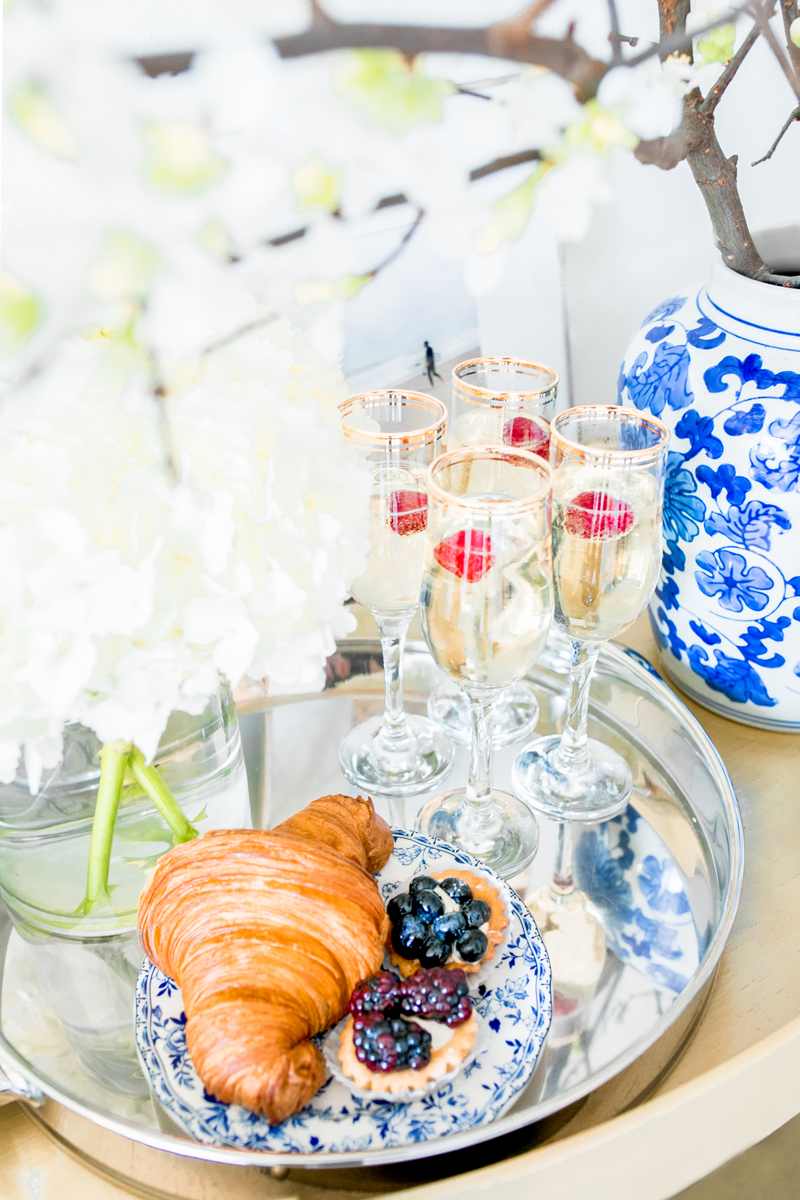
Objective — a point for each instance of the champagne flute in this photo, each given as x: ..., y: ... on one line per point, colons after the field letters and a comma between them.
x: 497, y: 402
x: 399, y: 433
x: 485, y: 612
x: 608, y: 490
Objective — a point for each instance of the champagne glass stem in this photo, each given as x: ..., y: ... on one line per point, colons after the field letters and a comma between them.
x: 573, y: 751
x: 563, y: 884
x: 393, y: 630
x: 480, y: 819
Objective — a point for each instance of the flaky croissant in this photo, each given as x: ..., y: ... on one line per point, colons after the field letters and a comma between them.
x: 266, y: 935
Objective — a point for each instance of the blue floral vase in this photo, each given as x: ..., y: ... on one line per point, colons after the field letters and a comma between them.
x: 720, y: 364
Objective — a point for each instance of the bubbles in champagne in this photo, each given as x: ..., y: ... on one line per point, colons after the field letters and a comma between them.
x: 398, y: 518
x: 606, y: 549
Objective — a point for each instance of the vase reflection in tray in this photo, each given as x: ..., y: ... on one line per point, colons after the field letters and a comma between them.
x: 497, y: 402
x: 399, y: 434
x: 485, y: 612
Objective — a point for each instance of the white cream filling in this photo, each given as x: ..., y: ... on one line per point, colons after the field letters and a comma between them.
x: 440, y: 1034
x: 449, y: 903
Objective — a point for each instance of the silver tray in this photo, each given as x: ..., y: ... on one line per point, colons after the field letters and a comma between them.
x: 682, y: 793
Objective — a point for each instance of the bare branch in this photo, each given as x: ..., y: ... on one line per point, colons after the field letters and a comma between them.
x: 681, y: 40
x: 794, y: 115
x: 497, y: 164
x: 762, y: 20
x: 510, y: 40
x: 400, y: 247
x: 614, y: 36
x: 715, y: 94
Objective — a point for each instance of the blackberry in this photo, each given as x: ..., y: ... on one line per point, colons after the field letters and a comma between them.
x: 457, y: 889
x: 449, y: 926
x: 409, y: 936
x: 472, y: 945
x: 436, y: 995
x: 435, y: 952
x: 385, y: 1044
x: 476, y: 913
x: 399, y: 906
x: 427, y: 906
x: 422, y: 883
x: 380, y: 994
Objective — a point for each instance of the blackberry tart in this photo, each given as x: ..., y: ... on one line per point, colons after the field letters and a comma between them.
x: 450, y: 919
x: 404, y: 1038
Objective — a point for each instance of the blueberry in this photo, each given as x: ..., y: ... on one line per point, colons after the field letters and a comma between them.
x: 460, y: 891
x: 476, y: 912
x: 435, y: 952
x: 472, y: 945
x: 427, y: 906
x: 422, y: 883
x: 409, y: 936
x: 449, y: 926
x: 399, y: 906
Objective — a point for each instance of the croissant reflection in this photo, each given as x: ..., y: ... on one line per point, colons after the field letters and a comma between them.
x: 266, y: 935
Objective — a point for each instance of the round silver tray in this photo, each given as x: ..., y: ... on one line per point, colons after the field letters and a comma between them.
x: 682, y: 792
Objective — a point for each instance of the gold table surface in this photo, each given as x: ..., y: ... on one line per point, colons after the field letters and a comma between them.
x: 737, y: 1080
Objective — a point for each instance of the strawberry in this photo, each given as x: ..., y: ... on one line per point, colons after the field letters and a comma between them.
x: 467, y: 553
x: 528, y: 435
x: 408, y: 512
x: 598, y: 515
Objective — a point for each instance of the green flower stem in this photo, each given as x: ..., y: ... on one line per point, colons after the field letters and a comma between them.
x: 149, y: 779
x: 113, y: 764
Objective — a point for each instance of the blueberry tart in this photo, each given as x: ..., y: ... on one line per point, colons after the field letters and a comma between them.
x: 405, y: 1037
x: 449, y: 919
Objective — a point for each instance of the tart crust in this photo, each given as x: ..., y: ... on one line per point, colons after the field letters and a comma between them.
x: 442, y: 1060
x: 481, y: 890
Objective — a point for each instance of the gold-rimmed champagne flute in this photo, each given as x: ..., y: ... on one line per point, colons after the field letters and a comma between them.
x: 608, y: 490
x: 485, y: 612
x: 497, y: 402
x: 399, y: 434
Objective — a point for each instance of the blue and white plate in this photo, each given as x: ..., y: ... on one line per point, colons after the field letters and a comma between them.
x: 515, y: 1003
x: 630, y: 876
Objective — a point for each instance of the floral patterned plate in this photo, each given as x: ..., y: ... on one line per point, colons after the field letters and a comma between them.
x: 514, y: 1001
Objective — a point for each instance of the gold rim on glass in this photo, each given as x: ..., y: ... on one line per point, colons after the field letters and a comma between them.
x: 473, y: 394
x: 496, y: 454
x: 645, y: 456
x: 416, y: 437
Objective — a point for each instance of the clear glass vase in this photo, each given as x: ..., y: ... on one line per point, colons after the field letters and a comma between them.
x: 88, y: 964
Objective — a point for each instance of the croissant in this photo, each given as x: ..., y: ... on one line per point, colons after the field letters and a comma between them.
x: 266, y: 935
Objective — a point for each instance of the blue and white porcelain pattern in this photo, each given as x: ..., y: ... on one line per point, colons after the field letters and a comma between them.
x: 515, y: 1004
x: 721, y: 365
x: 631, y: 878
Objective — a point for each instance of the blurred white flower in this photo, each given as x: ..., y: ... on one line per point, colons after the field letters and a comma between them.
x: 646, y: 98
x: 123, y: 597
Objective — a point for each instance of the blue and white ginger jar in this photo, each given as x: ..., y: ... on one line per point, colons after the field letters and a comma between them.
x: 721, y: 365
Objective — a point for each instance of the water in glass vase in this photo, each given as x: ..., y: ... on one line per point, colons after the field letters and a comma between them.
x: 88, y: 964
x: 487, y: 604
x: 606, y: 550
x: 398, y: 519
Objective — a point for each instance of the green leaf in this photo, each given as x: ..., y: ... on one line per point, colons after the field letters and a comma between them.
x: 510, y: 214
x: 36, y: 114
x: 316, y: 185
x: 124, y: 268
x: 794, y: 32
x: 20, y: 313
x: 717, y: 45
x: 180, y: 157
x: 390, y: 91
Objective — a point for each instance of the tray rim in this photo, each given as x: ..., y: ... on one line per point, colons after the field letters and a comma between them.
x: 631, y: 660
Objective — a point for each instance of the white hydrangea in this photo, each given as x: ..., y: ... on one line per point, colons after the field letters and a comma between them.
x: 124, y: 597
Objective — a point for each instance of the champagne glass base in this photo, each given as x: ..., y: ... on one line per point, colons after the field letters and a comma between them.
x: 425, y: 762
x: 594, y: 794
x: 507, y: 845
x: 515, y: 713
